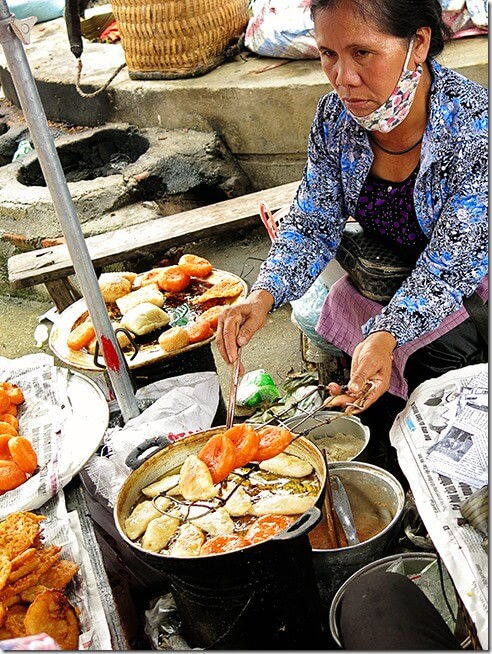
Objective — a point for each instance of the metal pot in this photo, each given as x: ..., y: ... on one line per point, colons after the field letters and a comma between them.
x: 413, y: 564
x: 321, y: 430
x: 373, y: 494
x: 258, y: 597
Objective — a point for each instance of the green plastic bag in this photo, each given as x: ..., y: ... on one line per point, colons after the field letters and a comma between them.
x: 255, y: 388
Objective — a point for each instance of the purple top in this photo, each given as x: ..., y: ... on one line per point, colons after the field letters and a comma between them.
x: 387, y: 210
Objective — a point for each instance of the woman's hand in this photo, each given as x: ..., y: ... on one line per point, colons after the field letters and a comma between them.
x: 238, y: 323
x: 372, y: 361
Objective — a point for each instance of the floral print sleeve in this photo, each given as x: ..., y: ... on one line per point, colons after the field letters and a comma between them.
x: 450, y: 198
x: 455, y: 261
x: 310, y: 233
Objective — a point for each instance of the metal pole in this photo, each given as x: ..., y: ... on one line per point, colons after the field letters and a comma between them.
x: 12, y: 32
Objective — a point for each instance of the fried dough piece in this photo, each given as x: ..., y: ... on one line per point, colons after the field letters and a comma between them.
x: 29, y: 595
x: 287, y: 465
x: 5, y: 634
x: 138, y: 520
x: 159, y: 532
x: 52, y: 613
x: 14, y: 621
x: 59, y: 574
x: 224, y: 288
x: 47, y: 557
x: 149, y: 293
x: 5, y: 569
x: 18, y: 532
x: 188, y: 542
x: 195, y: 480
x: 163, y: 485
x: 215, y: 523
x: 24, y: 564
x: 239, y: 503
x: 283, y: 505
x: 3, y: 614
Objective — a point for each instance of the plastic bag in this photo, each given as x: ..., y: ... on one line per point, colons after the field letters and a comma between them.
x: 282, y: 28
x: 306, y: 312
x: 256, y: 387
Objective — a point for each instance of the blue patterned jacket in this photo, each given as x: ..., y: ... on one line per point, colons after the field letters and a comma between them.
x: 450, y: 196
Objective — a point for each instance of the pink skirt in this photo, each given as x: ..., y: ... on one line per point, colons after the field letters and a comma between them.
x: 344, y: 312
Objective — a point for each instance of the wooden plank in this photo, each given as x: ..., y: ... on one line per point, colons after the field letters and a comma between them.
x: 41, y: 266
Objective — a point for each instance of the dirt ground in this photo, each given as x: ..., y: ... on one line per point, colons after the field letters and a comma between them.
x: 276, y: 348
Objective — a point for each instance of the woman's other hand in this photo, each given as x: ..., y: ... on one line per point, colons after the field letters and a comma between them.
x: 372, y: 361
x: 239, y: 322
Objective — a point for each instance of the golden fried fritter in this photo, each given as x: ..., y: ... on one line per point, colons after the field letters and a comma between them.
x: 18, y: 532
x: 14, y: 621
x: 59, y: 575
x: 52, y: 613
x: 5, y: 570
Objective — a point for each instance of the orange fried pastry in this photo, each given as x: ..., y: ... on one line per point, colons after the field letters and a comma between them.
x: 195, y: 266
x: 174, y: 339
x: 52, y: 613
x: 226, y: 288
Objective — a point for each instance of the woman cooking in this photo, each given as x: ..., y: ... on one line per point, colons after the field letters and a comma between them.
x: 401, y: 145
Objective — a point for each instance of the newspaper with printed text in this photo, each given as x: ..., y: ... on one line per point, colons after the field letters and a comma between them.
x: 441, y: 438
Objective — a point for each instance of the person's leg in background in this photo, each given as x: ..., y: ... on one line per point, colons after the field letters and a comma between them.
x: 387, y: 611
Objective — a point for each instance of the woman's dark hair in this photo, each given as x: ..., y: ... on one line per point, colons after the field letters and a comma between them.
x: 400, y: 18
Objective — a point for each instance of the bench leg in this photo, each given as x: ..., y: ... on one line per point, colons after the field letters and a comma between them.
x: 62, y: 292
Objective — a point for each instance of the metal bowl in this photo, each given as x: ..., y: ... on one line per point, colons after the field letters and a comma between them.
x: 321, y: 431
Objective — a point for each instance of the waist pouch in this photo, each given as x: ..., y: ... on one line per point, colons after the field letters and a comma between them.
x: 374, y: 269
x: 377, y: 272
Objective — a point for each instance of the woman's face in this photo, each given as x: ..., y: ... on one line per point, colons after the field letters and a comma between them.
x: 362, y: 63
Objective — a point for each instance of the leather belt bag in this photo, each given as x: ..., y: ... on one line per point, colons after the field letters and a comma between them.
x: 376, y: 271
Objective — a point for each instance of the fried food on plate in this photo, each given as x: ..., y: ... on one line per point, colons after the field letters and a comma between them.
x: 81, y: 335
x: 173, y: 279
x: 212, y: 315
x: 144, y: 318
x: 30, y: 570
x: 174, y: 339
x: 113, y: 286
x: 195, y: 266
x: 226, y: 288
x: 18, y: 532
x: 52, y: 613
x: 199, y: 330
x: 149, y: 293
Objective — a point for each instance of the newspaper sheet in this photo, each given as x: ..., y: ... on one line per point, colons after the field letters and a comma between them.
x: 64, y: 415
x: 63, y: 529
x: 441, y: 438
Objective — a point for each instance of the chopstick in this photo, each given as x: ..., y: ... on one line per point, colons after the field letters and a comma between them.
x: 231, y: 401
x: 329, y: 510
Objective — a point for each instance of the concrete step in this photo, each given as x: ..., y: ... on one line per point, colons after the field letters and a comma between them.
x: 262, y: 108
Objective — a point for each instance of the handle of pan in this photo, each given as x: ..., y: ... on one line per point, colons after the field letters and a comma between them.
x: 302, y: 525
x: 140, y: 453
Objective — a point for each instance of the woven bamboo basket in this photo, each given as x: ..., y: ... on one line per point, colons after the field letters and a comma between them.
x: 170, y: 39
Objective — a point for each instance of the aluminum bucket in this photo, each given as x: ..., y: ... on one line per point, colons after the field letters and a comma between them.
x: 322, y: 434
x: 377, y: 500
x: 413, y: 563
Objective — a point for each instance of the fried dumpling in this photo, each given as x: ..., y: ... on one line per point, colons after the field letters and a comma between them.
x: 195, y: 480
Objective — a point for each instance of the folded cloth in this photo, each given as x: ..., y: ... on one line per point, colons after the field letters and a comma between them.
x: 344, y: 312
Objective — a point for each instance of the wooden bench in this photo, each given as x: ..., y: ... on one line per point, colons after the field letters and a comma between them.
x: 53, y: 266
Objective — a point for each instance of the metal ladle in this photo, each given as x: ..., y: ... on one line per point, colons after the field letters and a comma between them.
x: 343, y: 509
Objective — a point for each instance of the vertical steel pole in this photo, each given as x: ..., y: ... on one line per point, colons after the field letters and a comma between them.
x: 11, y: 33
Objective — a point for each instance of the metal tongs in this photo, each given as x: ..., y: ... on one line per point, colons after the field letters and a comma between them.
x: 231, y: 401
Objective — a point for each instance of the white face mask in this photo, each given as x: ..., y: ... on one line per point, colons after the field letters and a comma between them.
x: 396, y: 108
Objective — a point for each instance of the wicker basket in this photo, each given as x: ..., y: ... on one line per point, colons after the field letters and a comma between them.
x: 170, y: 39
